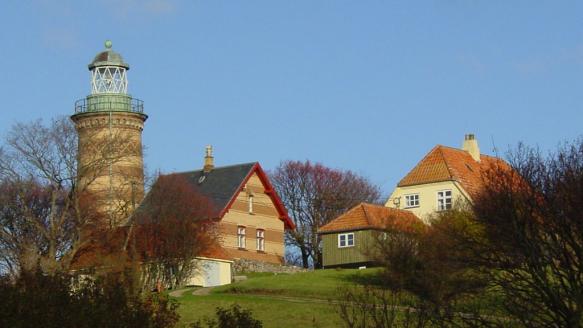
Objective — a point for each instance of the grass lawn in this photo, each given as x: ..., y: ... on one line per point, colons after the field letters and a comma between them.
x: 320, y: 284
x: 272, y: 312
x: 283, y: 300
x: 293, y: 300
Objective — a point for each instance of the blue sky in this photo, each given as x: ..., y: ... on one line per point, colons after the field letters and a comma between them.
x: 369, y: 86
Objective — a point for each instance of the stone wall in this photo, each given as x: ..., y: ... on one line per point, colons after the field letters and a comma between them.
x: 245, y: 265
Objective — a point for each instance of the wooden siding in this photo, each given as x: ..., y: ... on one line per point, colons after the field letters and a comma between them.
x: 364, y: 242
x: 264, y: 217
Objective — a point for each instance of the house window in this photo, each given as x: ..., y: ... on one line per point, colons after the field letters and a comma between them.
x: 443, y: 200
x: 412, y: 200
x: 346, y: 240
x: 260, y: 240
x: 251, y: 204
x: 241, y: 237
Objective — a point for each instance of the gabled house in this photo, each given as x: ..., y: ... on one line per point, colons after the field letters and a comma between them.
x: 443, y: 177
x: 250, y: 215
x: 349, y: 240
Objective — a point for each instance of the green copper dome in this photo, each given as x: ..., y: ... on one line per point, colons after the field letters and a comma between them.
x: 108, y: 58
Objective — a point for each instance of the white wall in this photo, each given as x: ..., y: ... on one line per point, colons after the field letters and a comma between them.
x: 211, y: 272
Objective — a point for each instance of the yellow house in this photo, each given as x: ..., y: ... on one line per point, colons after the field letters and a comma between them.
x: 443, y: 177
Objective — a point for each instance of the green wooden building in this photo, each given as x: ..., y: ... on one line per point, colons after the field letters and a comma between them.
x: 350, y: 239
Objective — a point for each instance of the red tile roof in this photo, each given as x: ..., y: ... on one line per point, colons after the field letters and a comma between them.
x: 369, y: 216
x: 451, y: 164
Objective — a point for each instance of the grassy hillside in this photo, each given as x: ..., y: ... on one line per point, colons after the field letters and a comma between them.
x: 283, y: 300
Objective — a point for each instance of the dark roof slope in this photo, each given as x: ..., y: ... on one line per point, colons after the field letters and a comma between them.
x: 221, y: 183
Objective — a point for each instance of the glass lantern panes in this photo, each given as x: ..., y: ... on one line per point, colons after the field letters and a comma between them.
x: 109, y: 79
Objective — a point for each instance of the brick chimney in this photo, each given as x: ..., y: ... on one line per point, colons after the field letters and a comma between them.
x: 209, y: 162
x: 471, y: 146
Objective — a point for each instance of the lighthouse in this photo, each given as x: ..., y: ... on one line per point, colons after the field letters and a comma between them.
x: 109, y: 124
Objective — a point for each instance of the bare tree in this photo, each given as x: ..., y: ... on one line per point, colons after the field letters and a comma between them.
x: 526, y: 232
x: 373, y: 307
x: 314, y: 195
x: 44, y: 211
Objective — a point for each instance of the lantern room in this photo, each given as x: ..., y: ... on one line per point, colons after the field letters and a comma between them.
x: 108, y: 72
x: 109, y: 85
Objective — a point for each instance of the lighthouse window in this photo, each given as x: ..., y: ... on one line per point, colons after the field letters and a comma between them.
x: 109, y: 79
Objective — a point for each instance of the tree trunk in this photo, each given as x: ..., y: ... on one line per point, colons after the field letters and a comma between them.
x: 305, y: 258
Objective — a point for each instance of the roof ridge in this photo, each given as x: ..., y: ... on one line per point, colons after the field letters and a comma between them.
x: 446, y: 163
x: 435, y: 148
x: 461, y: 150
x: 361, y: 217
x: 418, y: 164
x: 216, y: 168
x: 366, y: 215
x: 352, y: 209
x: 374, y: 205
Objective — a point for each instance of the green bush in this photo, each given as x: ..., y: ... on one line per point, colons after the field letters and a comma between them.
x: 234, y: 317
x: 36, y: 299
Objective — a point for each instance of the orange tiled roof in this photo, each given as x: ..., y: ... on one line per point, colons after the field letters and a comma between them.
x: 369, y: 216
x: 451, y: 164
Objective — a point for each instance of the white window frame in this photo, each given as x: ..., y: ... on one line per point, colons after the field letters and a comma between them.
x: 344, y: 238
x: 241, y: 239
x: 441, y: 196
x: 260, y: 240
x: 412, y: 198
x: 250, y: 204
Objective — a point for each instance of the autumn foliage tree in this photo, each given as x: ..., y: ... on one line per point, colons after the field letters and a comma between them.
x: 423, y: 281
x: 314, y: 195
x: 171, y: 228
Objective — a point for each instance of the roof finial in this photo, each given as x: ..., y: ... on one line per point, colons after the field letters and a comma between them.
x: 108, y: 44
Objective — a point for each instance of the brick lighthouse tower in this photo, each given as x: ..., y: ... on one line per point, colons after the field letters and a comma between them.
x: 109, y: 124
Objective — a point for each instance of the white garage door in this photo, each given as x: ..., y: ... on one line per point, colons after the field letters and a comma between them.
x: 212, y: 274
